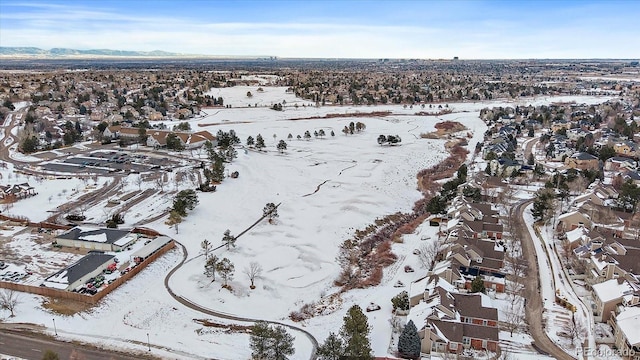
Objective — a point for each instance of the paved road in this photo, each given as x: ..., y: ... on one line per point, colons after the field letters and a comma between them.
x: 532, y: 289
x: 33, y: 347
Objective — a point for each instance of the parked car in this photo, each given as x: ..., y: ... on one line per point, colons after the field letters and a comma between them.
x: 373, y: 307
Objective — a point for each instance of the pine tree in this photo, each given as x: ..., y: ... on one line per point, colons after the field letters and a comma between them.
x: 280, y: 344
x: 259, y: 142
x: 401, y: 301
x: 477, y: 285
x: 409, y: 342
x: 355, y: 334
x: 332, y: 349
x: 259, y: 341
x: 270, y: 211
x: 250, y: 141
x: 228, y: 239
x: 282, y: 146
x: 269, y: 343
x: 226, y: 269
x: 210, y: 267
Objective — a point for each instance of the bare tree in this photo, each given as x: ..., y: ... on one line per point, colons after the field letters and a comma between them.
x: 574, y: 329
x: 254, y: 270
x: 427, y: 254
x: 160, y: 183
x: 514, y: 316
x: 9, y: 300
x: 139, y: 182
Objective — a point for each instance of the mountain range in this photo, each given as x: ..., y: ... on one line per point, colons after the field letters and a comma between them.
x: 64, y: 52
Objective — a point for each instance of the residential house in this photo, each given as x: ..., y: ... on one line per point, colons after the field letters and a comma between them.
x: 573, y: 219
x: 627, y: 148
x: 17, y: 191
x: 618, y: 163
x: 582, y: 161
x: 449, y: 322
x: 626, y: 328
x: 103, y: 239
x: 609, y: 294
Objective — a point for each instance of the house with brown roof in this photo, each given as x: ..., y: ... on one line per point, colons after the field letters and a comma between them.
x: 481, y: 229
x: 582, y: 161
x: 450, y: 322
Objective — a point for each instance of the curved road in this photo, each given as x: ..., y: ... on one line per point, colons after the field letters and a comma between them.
x: 191, y: 305
x: 532, y: 290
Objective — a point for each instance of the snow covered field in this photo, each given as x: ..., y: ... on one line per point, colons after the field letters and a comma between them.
x: 357, y: 181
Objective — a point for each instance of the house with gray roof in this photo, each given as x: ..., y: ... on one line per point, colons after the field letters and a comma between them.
x: 79, y: 272
x: 103, y: 239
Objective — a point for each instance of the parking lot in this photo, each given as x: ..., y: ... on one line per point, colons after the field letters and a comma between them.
x: 105, y: 162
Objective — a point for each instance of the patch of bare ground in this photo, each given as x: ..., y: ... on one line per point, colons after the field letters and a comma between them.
x: 444, y: 129
x: 439, y: 113
x: 65, y: 306
x: 346, y: 115
x: 224, y: 123
x: 228, y: 327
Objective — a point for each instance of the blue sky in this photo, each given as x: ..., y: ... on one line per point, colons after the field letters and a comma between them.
x: 332, y: 29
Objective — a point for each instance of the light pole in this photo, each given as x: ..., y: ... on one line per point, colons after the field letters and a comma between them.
x: 148, y: 343
x: 54, y: 327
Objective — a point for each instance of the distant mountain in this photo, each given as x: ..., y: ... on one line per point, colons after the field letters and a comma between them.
x: 62, y: 52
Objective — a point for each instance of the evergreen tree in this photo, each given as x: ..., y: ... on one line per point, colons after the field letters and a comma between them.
x: 409, y: 342
x: 321, y: 133
x: 228, y: 239
x: 282, y: 146
x: 226, y: 269
x: 270, y: 211
x: 210, y: 267
x: 307, y: 135
x: 355, y: 334
x: 332, y: 349
x: 269, y: 343
x: 250, y: 141
x: 401, y: 301
x: 259, y: 341
x: 280, y: 343
x: 230, y: 154
x: 185, y: 200
x: 477, y: 285
x: 332, y: 133
x: 259, y: 142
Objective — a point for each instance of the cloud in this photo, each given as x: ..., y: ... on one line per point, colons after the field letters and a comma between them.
x: 418, y: 30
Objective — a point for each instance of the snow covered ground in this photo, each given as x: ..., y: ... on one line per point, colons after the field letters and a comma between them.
x: 357, y: 181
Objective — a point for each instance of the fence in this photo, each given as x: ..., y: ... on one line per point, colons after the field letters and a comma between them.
x: 27, y: 222
x: 63, y: 294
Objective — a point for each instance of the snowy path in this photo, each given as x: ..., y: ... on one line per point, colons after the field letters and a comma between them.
x: 553, y: 278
